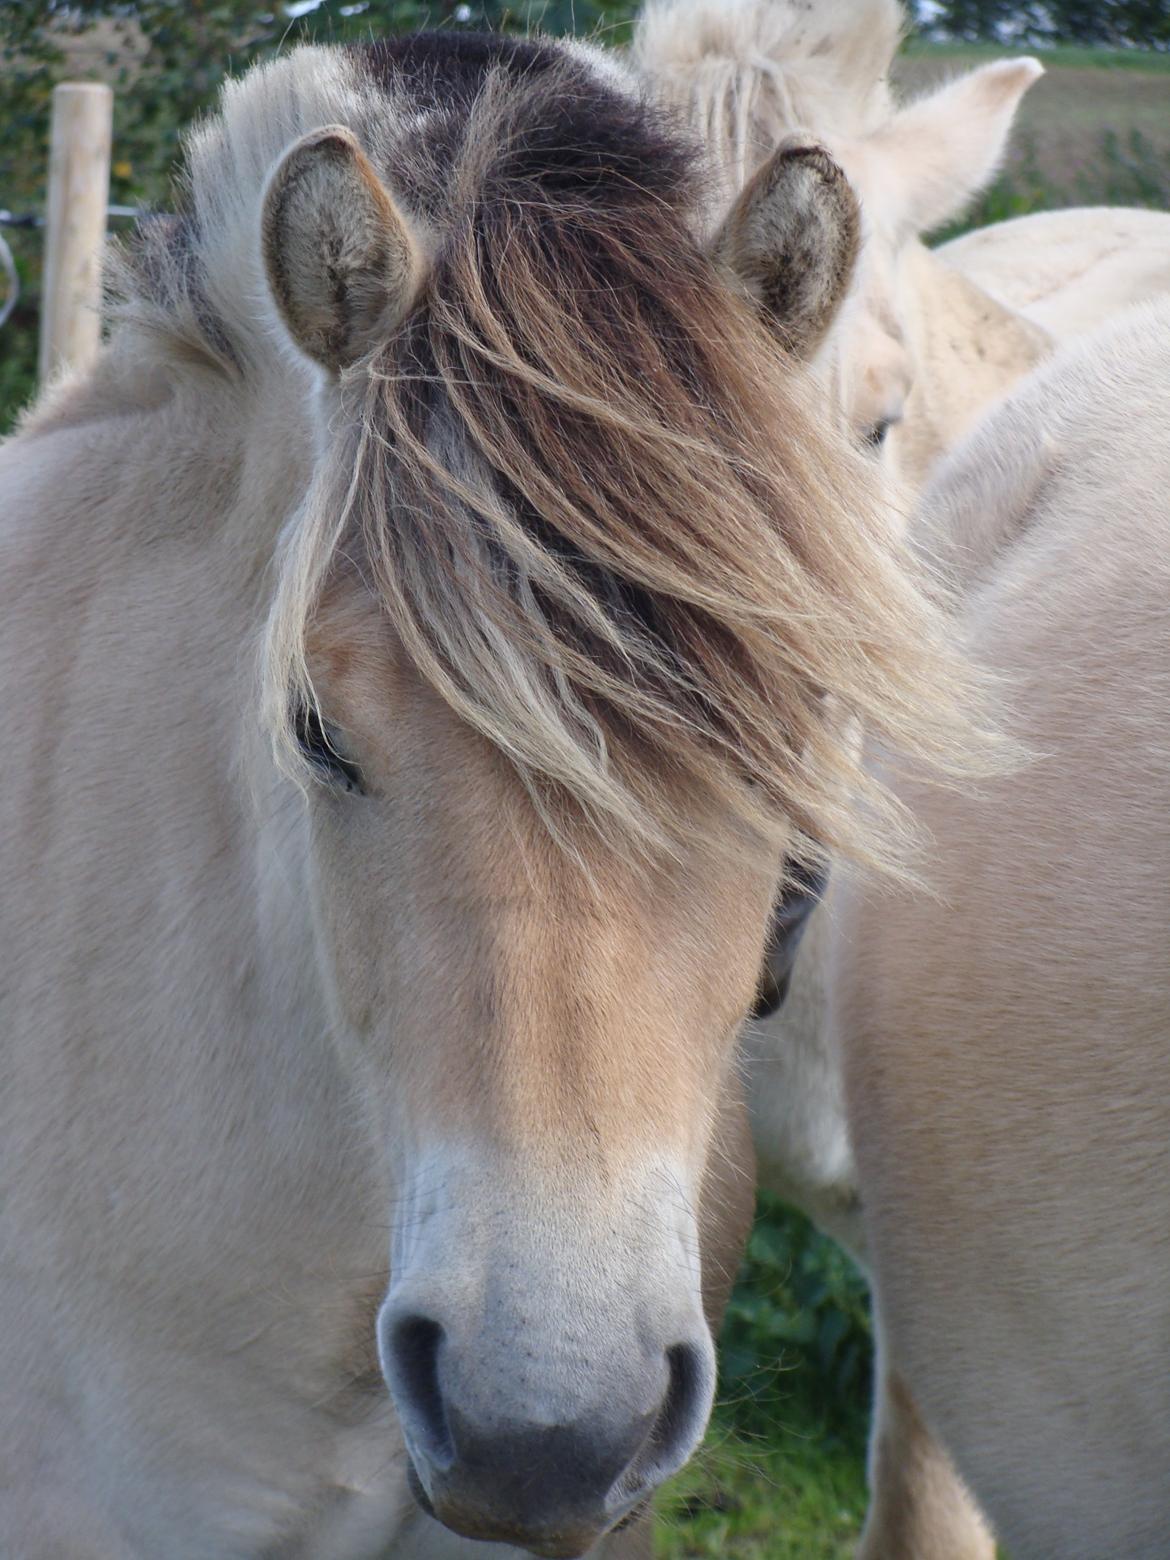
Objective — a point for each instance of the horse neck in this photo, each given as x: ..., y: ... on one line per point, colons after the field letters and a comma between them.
x: 141, y: 506
x: 968, y: 349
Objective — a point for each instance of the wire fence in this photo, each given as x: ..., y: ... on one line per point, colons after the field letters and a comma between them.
x: 36, y: 220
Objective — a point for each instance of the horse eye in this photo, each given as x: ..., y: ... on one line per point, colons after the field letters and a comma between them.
x: 319, y: 744
x: 875, y: 436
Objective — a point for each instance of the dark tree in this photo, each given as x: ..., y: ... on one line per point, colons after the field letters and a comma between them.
x: 1083, y: 21
x: 976, y: 19
x: 1145, y: 22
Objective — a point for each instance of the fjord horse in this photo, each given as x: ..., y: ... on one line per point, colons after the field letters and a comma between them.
x: 427, y: 630
x: 1006, y: 1037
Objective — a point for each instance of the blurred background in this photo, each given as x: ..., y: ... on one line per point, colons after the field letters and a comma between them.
x: 782, y: 1474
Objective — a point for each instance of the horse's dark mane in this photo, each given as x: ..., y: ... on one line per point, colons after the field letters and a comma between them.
x: 446, y: 69
x: 560, y: 131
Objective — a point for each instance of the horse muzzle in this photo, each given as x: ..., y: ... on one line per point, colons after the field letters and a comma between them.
x: 546, y: 1459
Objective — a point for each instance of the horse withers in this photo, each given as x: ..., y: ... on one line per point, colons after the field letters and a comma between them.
x: 428, y: 628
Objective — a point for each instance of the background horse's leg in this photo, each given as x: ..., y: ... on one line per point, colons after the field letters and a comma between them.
x: 919, y: 1507
x: 794, y: 1084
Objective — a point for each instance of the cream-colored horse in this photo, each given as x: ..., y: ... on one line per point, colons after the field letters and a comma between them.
x: 919, y: 349
x: 1067, y: 270
x: 930, y: 338
x: 928, y: 341
x: 1007, y: 1042
x: 415, y: 646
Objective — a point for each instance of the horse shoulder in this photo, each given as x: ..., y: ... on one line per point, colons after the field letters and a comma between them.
x: 1055, y: 442
x: 969, y: 349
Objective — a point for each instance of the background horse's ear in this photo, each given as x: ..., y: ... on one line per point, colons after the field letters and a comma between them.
x: 342, y: 263
x: 791, y: 239
x: 936, y: 155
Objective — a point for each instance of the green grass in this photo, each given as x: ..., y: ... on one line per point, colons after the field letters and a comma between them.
x: 781, y: 1474
x: 795, y: 1494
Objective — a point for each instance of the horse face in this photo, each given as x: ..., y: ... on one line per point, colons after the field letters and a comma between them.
x: 915, y: 173
x: 544, y: 1024
x: 541, y: 1040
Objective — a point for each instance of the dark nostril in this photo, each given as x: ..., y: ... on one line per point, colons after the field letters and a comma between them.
x: 676, y: 1428
x: 415, y: 1343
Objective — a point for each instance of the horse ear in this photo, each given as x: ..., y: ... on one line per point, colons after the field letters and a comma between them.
x: 791, y: 239
x: 342, y: 263
x: 941, y: 151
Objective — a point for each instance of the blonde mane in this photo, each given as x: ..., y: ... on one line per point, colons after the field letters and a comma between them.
x: 744, y: 72
x: 592, y: 497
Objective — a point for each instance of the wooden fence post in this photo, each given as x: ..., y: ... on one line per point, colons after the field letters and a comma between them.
x: 75, y: 224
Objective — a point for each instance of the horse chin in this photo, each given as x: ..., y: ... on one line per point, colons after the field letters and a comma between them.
x: 568, y: 1547
x: 417, y: 1490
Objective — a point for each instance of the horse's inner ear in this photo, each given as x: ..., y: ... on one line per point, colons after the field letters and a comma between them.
x: 342, y: 263
x: 791, y: 239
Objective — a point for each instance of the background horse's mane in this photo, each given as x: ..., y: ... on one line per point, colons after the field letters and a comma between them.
x: 584, y: 484
x: 744, y: 72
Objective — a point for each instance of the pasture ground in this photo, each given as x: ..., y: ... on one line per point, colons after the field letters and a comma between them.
x: 781, y: 1476
x: 794, y: 1495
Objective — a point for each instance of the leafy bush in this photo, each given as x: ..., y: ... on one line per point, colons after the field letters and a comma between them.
x: 797, y: 1331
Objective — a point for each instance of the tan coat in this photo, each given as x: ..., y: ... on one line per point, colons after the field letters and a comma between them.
x: 1007, y: 1041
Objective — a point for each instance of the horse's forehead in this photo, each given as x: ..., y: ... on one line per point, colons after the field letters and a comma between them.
x: 876, y: 306
x: 468, y: 801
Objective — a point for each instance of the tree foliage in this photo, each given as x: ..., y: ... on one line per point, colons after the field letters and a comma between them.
x: 1112, y: 23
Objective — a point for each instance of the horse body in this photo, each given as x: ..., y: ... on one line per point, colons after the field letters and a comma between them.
x: 1068, y: 270
x: 171, y: 1225
x: 409, y: 750
x: 927, y: 343
x: 1005, y: 1041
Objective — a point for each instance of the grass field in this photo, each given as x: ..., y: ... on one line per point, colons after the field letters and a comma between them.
x: 781, y: 1476
x: 795, y: 1493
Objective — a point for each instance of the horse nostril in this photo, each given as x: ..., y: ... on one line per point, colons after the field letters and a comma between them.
x: 681, y: 1418
x: 415, y: 1344
x: 553, y: 1470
